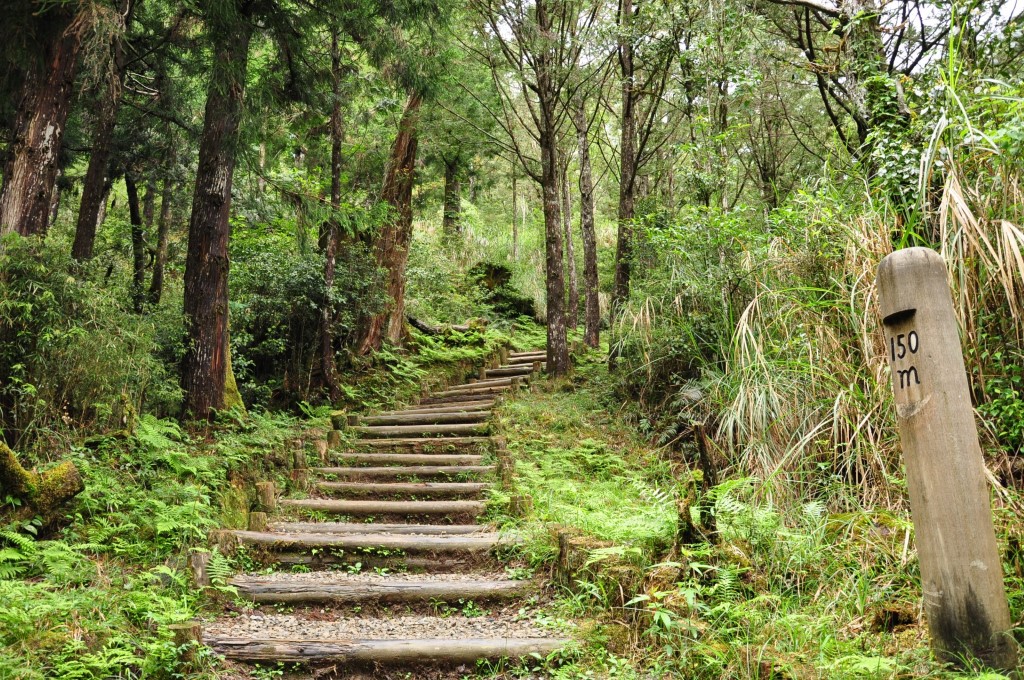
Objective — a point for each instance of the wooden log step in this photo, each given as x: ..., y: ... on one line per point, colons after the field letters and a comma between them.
x: 514, y: 371
x: 404, y: 471
x: 386, y: 507
x: 437, y: 563
x: 470, y: 389
x: 376, y: 528
x: 449, y: 418
x: 526, y: 360
x: 409, y: 543
x: 457, y: 429
x: 421, y: 443
x: 454, y: 407
x: 489, y: 382
x: 460, y: 651
x: 528, y: 353
x: 412, y: 459
x: 391, y: 489
x: 454, y: 399
x: 271, y: 591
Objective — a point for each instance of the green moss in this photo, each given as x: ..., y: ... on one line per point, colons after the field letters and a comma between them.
x: 14, y: 479
x: 234, y: 508
x: 232, y: 397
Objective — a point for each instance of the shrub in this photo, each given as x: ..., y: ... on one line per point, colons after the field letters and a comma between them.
x: 71, y: 352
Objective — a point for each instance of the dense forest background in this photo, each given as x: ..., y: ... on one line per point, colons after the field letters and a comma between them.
x: 208, y: 207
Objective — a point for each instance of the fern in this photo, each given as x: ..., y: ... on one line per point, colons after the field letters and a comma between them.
x: 15, y: 557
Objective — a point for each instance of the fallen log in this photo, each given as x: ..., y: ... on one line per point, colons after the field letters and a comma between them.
x: 269, y: 590
x: 384, y: 431
x: 383, y: 651
x: 425, y: 327
x: 42, y: 494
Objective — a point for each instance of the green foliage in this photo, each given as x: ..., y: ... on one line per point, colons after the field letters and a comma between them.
x: 277, y: 297
x: 97, y: 598
x: 71, y: 352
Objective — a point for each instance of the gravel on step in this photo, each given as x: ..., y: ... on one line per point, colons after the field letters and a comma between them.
x: 319, y: 577
x: 290, y: 627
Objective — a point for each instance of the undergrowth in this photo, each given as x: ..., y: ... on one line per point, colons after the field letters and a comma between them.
x: 94, y: 599
x: 812, y: 585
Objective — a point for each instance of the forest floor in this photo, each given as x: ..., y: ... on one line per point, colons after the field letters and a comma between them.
x: 653, y: 572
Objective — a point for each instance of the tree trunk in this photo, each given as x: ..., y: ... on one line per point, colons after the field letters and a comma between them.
x: 558, y: 348
x: 570, y: 250
x: 149, y: 204
x: 592, y: 323
x: 627, y: 168
x: 391, y: 249
x: 207, y: 264
x: 138, y: 241
x: 327, y: 367
x: 156, y: 284
x: 515, y: 217
x: 30, y: 171
x: 96, y: 186
x: 452, y: 225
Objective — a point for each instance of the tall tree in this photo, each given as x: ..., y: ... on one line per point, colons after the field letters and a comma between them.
x: 570, y: 250
x: 204, y: 366
x: 647, y: 41
x: 95, y: 187
x: 330, y: 247
x: 391, y: 247
x: 539, y: 48
x: 591, y: 285
x: 47, y: 87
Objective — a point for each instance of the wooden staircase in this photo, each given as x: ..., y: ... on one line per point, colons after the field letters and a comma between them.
x: 403, y: 500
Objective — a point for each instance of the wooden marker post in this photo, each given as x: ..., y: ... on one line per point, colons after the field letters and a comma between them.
x: 961, y: 573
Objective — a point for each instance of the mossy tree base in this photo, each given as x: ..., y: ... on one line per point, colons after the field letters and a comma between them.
x: 41, y: 494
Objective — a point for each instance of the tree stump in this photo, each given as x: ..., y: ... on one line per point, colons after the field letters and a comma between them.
x: 199, y: 562
x: 266, y: 495
x: 188, y: 638
x: 334, y: 439
x: 520, y: 505
x: 223, y: 540
x: 257, y: 521
x: 321, y: 450
x: 300, y: 479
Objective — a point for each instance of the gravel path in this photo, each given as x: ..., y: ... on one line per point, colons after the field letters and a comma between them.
x: 321, y: 577
x: 291, y: 627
